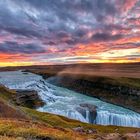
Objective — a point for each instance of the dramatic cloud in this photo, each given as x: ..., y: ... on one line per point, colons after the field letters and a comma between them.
x: 14, y: 48
x: 106, y: 37
x: 61, y: 31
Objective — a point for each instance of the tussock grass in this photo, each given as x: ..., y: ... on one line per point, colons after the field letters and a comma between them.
x: 30, y: 130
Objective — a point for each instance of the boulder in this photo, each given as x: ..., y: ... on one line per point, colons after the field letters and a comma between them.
x: 90, y: 107
x: 92, y: 112
x: 79, y: 129
x: 28, y: 98
x: 82, y: 111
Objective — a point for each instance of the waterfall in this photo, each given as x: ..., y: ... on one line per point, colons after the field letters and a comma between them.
x: 65, y: 102
x: 87, y: 116
x: 107, y: 118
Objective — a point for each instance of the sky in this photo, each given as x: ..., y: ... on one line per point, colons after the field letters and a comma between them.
x: 41, y: 32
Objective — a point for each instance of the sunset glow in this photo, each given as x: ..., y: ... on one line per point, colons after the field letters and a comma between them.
x: 37, y: 32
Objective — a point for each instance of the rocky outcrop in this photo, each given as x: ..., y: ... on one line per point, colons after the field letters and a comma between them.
x: 28, y: 98
x: 88, y: 110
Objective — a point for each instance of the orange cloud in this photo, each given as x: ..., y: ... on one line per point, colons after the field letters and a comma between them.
x: 13, y: 58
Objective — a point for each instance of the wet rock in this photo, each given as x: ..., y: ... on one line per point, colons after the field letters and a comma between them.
x: 28, y: 98
x: 89, y: 106
x: 90, y: 109
x: 25, y: 73
x: 82, y: 111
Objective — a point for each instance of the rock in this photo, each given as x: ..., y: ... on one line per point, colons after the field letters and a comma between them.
x: 113, y: 136
x: 82, y: 111
x: 82, y: 130
x: 89, y: 106
x: 28, y: 98
x: 133, y: 136
x: 91, y: 131
x: 91, y: 109
x: 79, y: 129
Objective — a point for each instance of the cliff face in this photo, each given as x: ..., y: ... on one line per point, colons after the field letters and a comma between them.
x: 28, y: 98
x: 103, y: 88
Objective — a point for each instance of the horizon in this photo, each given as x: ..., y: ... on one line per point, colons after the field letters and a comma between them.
x: 69, y: 32
x: 69, y: 64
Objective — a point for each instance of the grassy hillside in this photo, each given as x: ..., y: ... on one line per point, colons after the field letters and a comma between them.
x: 7, y: 107
x: 27, y: 124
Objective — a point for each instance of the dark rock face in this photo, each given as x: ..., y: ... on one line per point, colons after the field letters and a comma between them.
x: 28, y: 98
x: 82, y: 111
x: 92, y: 113
x: 89, y: 106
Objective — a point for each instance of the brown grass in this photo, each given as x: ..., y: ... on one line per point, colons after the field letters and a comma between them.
x: 34, y: 130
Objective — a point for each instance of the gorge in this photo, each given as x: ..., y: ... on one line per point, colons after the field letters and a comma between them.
x: 68, y: 103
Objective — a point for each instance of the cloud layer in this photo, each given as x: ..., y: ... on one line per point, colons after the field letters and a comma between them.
x: 64, y: 31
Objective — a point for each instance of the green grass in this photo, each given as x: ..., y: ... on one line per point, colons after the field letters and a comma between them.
x: 53, y: 120
x: 5, y: 93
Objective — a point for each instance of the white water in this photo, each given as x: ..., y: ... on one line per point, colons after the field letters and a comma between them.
x: 64, y: 102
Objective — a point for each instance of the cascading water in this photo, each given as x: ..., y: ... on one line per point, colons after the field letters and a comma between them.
x: 66, y: 102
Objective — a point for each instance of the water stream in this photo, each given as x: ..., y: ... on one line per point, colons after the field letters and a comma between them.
x: 67, y: 103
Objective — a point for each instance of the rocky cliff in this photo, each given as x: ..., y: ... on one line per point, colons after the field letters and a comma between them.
x: 28, y: 98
